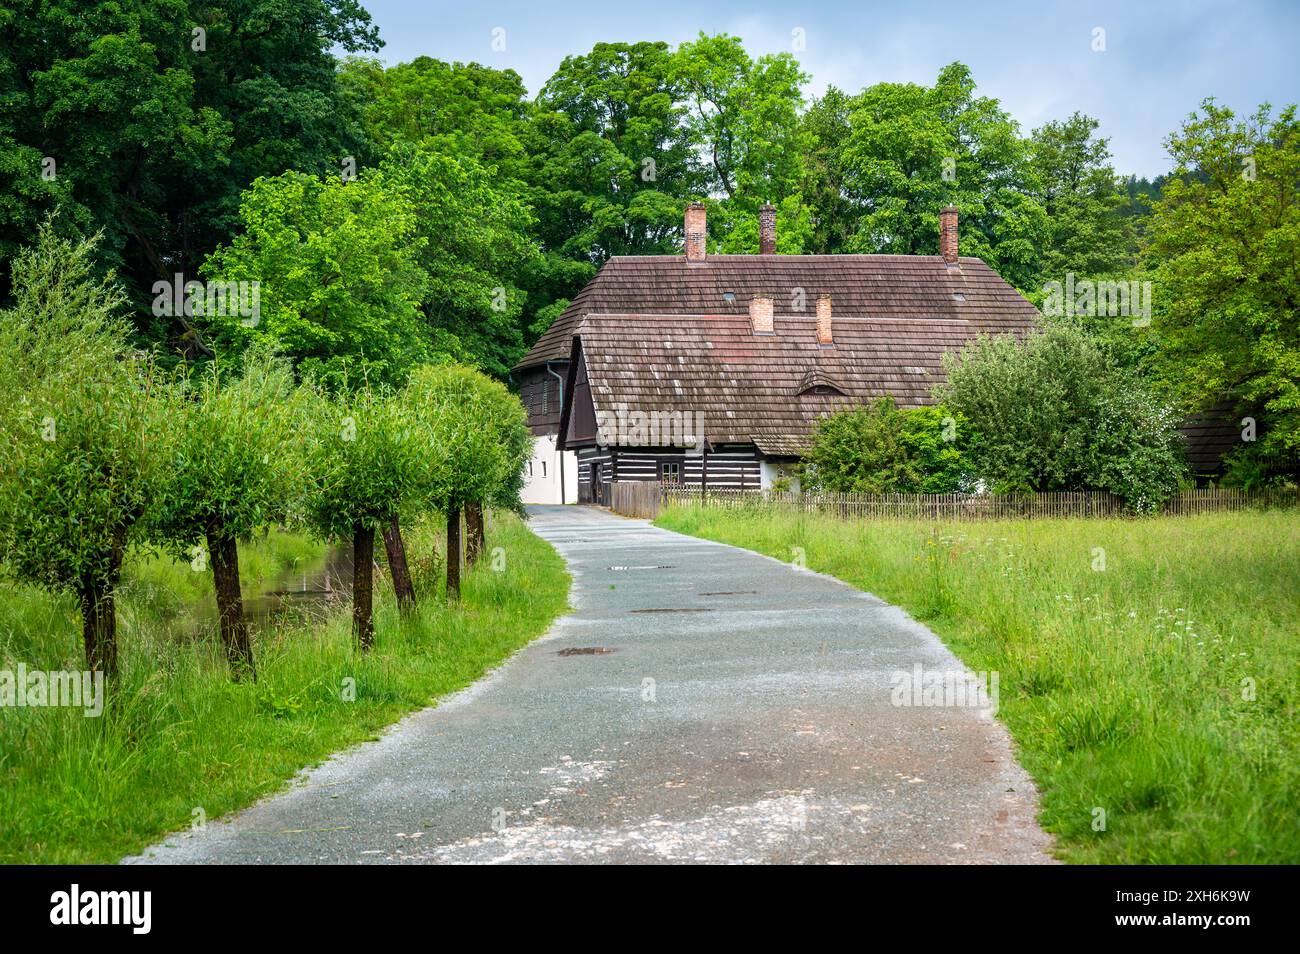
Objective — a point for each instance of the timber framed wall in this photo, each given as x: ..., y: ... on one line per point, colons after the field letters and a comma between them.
x: 733, y: 467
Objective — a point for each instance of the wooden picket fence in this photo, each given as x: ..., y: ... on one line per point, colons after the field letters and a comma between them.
x: 635, y: 498
x: 645, y: 499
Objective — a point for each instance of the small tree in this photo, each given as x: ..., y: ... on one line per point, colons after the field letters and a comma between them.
x: 509, y: 421
x: 480, y: 429
x: 367, y: 457
x: 80, y: 429
x: 1054, y: 413
x: 881, y: 448
x: 234, y: 468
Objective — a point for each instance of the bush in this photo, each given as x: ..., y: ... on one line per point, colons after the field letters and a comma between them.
x: 881, y: 448
x: 1054, y: 412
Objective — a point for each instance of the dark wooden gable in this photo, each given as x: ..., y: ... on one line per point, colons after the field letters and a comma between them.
x: 578, y: 417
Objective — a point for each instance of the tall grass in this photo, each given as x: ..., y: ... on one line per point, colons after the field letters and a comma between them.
x: 178, y: 741
x: 1148, y: 667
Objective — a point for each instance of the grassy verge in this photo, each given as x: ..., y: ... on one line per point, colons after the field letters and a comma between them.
x: 178, y: 738
x: 1148, y: 668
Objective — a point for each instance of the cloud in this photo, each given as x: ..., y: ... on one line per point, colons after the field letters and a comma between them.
x: 1160, y: 60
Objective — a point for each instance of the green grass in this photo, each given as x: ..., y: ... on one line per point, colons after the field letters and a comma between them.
x: 1125, y: 688
x: 178, y: 737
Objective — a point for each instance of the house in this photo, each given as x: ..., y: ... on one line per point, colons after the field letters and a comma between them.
x: 711, y: 370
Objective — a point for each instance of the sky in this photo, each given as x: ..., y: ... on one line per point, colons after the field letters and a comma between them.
x: 1160, y: 59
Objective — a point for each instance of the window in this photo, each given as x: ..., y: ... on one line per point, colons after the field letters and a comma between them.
x: 543, y: 468
x: 530, y: 468
x: 670, y: 473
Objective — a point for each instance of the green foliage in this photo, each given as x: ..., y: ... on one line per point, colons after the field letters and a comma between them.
x: 611, y: 160
x: 235, y: 463
x: 367, y: 278
x: 912, y: 150
x: 366, y: 457
x: 881, y: 448
x: 471, y: 241
x: 881, y: 164
x: 830, y: 189
x: 478, y: 429
x: 743, y: 113
x: 82, y: 427
x: 453, y: 109
x: 155, y: 132
x: 1077, y: 188
x: 340, y: 280
x: 1053, y: 412
x: 738, y: 227
x: 1223, y: 243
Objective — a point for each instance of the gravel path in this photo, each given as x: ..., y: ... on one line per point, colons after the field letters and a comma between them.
x: 702, y: 703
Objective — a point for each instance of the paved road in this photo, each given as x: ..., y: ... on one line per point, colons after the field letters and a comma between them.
x: 739, y: 710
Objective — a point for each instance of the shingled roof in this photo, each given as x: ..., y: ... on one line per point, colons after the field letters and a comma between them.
x: 912, y: 287
x: 760, y: 388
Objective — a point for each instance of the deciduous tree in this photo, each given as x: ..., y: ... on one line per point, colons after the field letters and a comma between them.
x: 1224, y: 244
x: 368, y: 458
x: 234, y: 467
x: 82, y: 434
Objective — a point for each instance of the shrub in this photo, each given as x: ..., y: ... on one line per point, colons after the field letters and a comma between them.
x: 881, y: 448
x: 1053, y: 412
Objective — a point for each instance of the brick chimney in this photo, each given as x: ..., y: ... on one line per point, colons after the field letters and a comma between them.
x: 767, y: 229
x: 948, y: 234
x: 825, y: 337
x: 760, y: 314
x: 696, y: 231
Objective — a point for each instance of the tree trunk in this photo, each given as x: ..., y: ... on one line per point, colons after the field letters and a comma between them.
x: 224, y: 552
x: 403, y: 586
x: 473, y: 532
x: 99, y: 628
x: 363, y: 586
x: 99, y: 616
x: 453, y: 554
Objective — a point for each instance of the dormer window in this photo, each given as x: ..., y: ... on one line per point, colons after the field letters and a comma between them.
x: 729, y: 297
x: 958, y: 296
x: 815, y: 381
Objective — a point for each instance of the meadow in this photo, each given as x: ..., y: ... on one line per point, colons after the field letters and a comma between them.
x: 179, y: 743
x: 1148, y: 667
